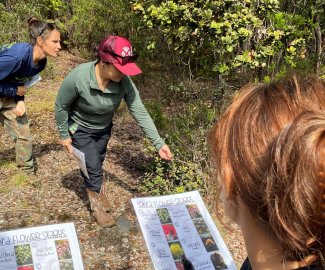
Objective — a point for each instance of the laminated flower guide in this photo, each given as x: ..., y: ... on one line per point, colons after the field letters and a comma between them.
x: 177, y: 227
x: 53, y: 247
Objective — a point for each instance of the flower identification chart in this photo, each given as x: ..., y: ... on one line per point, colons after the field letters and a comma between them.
x: 178, y: 226
x: 50, y: 247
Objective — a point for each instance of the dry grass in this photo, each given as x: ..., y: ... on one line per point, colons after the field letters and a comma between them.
x: 42, y: 100
x: 16, y: 180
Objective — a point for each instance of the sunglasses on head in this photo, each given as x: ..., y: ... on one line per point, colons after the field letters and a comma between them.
x: 125, y: 59
x: 42, y: 31
x: 47, y: 26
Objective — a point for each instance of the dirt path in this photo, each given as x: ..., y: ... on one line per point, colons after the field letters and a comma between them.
x: 57, y: 194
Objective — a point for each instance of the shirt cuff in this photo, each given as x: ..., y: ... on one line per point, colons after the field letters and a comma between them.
x: 19, y: 98
x: 158, y: 143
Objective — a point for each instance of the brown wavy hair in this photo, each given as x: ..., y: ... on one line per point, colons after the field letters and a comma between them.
x: 39, y: 28
x: 268, y: 148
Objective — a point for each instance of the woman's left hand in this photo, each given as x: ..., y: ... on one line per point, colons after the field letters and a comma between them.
x: 165, y: 153
x: 20, y: 108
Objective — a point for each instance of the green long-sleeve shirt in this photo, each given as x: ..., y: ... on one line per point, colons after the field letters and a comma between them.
x: 81, y: 100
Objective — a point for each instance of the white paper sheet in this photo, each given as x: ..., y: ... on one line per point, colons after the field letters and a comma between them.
x: 34, y: 80
x: 180, y: 224
x: 80, y: 157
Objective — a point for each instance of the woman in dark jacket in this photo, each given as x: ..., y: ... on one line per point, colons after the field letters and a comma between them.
x: 19, y: 62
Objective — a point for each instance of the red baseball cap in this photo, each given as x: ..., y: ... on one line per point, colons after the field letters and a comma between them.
x: 118, y: 51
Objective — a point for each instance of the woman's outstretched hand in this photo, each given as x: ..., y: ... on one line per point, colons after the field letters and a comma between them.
x: 165, y: 153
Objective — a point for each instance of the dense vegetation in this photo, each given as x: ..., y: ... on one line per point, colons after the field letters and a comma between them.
x: 199, y: 53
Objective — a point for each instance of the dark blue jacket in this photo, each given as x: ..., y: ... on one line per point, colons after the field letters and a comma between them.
x: 17, y: 67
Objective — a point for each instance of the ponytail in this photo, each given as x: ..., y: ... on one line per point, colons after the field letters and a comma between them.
x: 39, y: 28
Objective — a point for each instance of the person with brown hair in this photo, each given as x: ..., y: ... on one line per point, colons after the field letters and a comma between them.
x: 19, y: 62
x: 268, y: 150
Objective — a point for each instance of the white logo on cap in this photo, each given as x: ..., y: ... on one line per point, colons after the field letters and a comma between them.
x: 126, y: 51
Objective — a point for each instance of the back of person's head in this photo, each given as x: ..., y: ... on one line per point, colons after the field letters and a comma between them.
x: 269, y: 150
x: 39, y: 28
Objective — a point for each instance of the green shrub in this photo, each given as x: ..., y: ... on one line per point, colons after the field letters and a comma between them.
x: 188, y: 131
x: 185, y: 131
x: 13, y: 21
x: 171, y: 177
x: 158, y: 116
x: 246, y: 38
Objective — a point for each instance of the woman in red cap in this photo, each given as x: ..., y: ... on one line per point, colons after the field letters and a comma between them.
x: 87, y: 100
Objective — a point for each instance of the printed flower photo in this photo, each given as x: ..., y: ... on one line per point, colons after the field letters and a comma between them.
x: 23, y: 256
x: 193, y: 210
x: 26, y: 267
x: 179, y: 265
x: 163, y: 215
x: 63, y: 249
x: 217, y: 261
x: 209, y: 243
x: 176, y: 250
x: 66, y: 265
x: 201, y: 226
x: 170, y: 232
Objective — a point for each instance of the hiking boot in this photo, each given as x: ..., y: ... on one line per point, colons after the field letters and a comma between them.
x: 104, y: 200
x: 103, y: 219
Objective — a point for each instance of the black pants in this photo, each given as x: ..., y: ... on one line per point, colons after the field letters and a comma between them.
x: 93, y: 143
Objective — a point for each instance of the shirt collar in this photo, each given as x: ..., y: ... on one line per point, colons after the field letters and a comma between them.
x: 113, y: 87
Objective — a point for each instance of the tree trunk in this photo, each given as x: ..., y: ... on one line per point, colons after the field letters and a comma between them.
x: 318, y: 40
